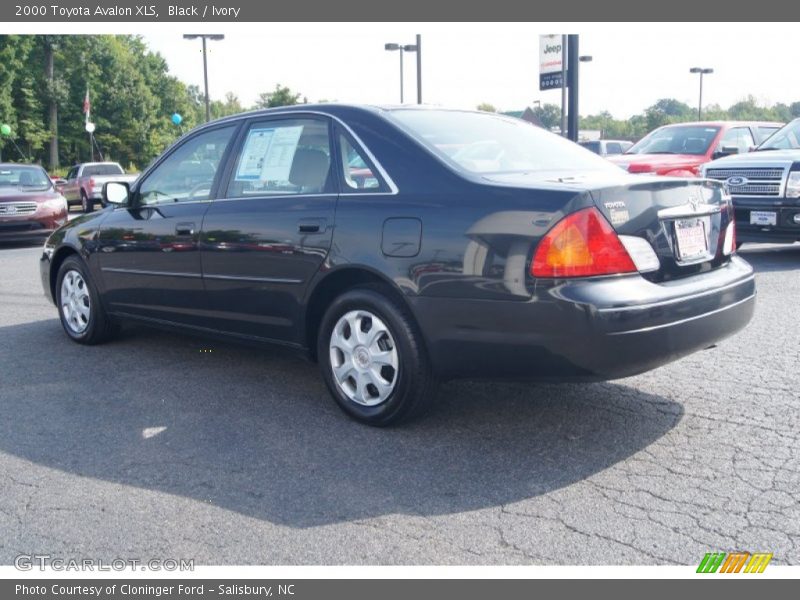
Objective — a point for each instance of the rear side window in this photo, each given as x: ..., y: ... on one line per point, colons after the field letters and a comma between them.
x: 356, y: 172
x: 593, y: 146
x: 613, y: 148
x: 280, y: 157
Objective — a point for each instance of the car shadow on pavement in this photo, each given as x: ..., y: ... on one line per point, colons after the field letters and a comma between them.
x: 254, y: 431
x: 772, y: 257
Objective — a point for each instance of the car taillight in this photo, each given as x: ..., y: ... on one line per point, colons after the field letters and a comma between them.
x: 581, y: 245
x: 729, y: 245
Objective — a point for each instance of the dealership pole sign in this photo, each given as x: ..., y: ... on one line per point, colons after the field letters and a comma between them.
x: 551, y: 55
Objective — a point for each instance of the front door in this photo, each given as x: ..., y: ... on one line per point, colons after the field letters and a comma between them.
x: 148, y: 251
x: 271, y: 228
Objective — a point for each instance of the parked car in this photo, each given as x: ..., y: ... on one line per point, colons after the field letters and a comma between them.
x: 30, y: 207
x: 554, y: 265
x: 765, y: 186
x: 84, y: 182
x: 607, y: 147
x: 680, y: 149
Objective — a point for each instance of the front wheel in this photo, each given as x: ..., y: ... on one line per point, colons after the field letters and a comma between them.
x: 373, y: 359
x: 82, y: 316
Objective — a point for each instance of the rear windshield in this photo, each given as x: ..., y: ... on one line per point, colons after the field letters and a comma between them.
x: 677, y: 139
x: 787, y: 138
x: 109, y: 169
x: 487, y: 143
x: 24, y: 177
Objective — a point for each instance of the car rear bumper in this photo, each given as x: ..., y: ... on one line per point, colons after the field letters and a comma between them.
x: 589, y: 329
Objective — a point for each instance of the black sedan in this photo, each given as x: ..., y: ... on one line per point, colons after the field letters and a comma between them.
x: 400, y: 247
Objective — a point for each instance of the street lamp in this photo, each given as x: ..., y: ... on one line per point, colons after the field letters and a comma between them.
x: 409, y: 48
x: 701, y: 71
x: 204, y: 37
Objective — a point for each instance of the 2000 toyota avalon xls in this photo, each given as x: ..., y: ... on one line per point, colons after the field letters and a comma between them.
x: 403, y: 246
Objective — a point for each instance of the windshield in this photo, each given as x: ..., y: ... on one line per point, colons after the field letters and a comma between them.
x: 676, y: 139
x: 787, y: 138
x: 486, y: 143
x: 24, y: 178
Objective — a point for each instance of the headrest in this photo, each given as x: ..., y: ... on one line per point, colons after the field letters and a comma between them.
x: 309, y: 168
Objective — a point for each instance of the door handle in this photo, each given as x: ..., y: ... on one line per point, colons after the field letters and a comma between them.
x: 184, y: 229
x: 311, y: 225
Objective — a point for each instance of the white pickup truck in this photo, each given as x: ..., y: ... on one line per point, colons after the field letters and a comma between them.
x: 84, y: 182
x: 765, y: 187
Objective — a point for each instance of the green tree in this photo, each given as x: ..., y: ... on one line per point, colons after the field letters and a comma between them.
x: 280, y: 96
x: 486, y: 107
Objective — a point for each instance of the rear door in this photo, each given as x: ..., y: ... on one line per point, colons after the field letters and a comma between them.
x: 270, y: 230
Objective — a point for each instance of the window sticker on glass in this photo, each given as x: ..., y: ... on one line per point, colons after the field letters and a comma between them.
x: 255, y: 149
x: 268, y: 154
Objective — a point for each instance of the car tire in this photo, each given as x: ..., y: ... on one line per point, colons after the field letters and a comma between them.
x: 381, y: 376
x: 79, y: 308
x: 87, y: 204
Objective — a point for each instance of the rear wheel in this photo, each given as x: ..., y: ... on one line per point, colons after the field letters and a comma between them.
x: 373, y: 358
x: 87, y: 204
x: 82, y: 316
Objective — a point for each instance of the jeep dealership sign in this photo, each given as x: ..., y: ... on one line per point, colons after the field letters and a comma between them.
x: 551, y: 54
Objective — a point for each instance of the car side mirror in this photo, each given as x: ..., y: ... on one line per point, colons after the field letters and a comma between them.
x: 59, y: 181
x: 116, y: 192
x: 725, y: 151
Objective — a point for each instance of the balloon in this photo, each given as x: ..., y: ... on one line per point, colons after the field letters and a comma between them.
x: 5, y: 129
x: 177, y: 119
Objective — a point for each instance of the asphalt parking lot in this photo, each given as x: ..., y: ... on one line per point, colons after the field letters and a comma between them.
x: 155, y: 447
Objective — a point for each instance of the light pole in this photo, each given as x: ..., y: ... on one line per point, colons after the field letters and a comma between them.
x: 409, y: 48
x: 701, y: 71
x: 204, y: 37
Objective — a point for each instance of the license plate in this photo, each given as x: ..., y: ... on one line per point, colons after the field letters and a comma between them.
x: 763, y: 217
x: 691, y: 236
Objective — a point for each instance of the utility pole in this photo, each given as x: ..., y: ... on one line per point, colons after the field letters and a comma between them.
x: 49, y: 61
x: 419, y: 69
x: 572, y: 76
x: 564, y: 59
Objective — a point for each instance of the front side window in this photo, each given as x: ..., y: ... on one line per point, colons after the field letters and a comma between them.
x: 291, y: 156
x: 188, y: 173
x: 488, y: 143
x: 677, y: 139
x: 613, y: 148
x: 739, y: 138
x: 356, y: 172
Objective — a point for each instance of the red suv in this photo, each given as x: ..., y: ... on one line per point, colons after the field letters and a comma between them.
x: 680, y: 149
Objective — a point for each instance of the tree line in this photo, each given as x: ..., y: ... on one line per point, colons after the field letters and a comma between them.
x: 664, y: 112
x: 44, y: 81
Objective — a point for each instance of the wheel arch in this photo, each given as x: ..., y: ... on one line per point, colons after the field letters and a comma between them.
x: 58, y: 259
x: 334, y: 284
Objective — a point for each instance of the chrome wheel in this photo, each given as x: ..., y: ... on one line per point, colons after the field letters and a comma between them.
x: 76, y: 305
x: 364, y: 358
